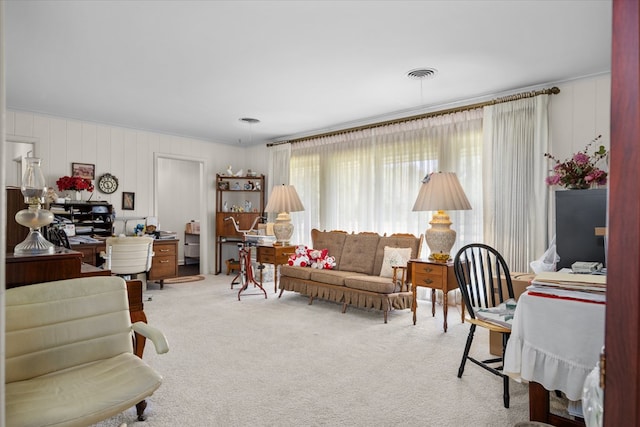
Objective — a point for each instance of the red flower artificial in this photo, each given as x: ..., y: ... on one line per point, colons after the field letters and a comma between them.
x: 75, y: 183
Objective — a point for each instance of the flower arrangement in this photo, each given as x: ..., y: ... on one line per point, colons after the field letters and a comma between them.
x: 74, y: 183
x: 580, y: 171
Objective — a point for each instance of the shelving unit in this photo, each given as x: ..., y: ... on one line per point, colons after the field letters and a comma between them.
x: 191, y: 248
x: 240, y: 197
x: 89, y: 218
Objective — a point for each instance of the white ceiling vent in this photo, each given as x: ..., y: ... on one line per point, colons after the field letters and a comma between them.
x: 422, y: 73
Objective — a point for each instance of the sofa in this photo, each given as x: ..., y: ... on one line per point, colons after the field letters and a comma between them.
x: 69, y: 356
x: 369, y: 270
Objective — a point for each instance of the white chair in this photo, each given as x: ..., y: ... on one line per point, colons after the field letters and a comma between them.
x: 128, y: 256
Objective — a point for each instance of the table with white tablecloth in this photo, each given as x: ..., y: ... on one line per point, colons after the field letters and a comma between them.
x: 555, y: 342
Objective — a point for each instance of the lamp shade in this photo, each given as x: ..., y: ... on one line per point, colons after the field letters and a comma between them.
x: 284, y: 198
x: 441, y: 191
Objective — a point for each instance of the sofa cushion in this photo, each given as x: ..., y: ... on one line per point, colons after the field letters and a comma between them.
x: 359, y: 253
x: 331, y: 277
x: 394, y: 257
x: 333, y: 241
x: 377, y: 284
x: 396, y: 241
x: 295, y: 272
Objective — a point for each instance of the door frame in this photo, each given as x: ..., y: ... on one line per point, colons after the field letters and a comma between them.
x: 202, y: 168
x: 622, y: 332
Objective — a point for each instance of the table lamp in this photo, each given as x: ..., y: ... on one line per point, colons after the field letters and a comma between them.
x: 33, y: 189
x: 283, y: 199
x: 441, y: 191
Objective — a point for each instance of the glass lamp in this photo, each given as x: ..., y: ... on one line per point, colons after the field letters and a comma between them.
x: 33, y: 189
x: 441, y: 192
x: 283, y: 199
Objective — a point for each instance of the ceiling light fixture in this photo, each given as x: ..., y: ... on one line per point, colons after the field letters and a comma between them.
x: 250, y: 121
x: 422, y: 74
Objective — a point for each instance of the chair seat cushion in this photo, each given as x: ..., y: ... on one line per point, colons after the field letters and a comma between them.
x: 296, y: 272
x: 82, y: 395
x: 377, y: 284
x: 331, y: 277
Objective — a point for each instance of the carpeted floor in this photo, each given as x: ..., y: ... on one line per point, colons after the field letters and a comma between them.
x: 282, y: 362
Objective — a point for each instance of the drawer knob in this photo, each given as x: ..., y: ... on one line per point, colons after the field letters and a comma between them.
x: 428, y: 269
x: 164, y: 250
x: 164, y: 261
x: 428, y: 281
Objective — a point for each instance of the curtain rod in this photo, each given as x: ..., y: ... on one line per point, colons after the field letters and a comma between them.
x: 551, y: 91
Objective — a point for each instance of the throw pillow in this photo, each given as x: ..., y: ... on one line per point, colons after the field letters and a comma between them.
x: 394, y: 257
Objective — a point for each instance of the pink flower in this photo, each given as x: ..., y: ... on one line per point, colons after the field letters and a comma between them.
x: 579, y: 171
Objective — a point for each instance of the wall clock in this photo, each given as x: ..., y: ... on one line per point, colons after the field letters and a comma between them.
x: 107, y: 183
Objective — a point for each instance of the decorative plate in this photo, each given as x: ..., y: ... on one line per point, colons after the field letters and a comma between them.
x: 107, y: 183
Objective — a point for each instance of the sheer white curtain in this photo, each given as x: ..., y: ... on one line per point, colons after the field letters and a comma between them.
x: 368, y: 180
x: 279, y: 159
x: 516, y: 137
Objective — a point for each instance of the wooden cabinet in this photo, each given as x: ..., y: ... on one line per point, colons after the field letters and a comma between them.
x: 276, y: 255
x: 164, y: 264
x: 239, y: 197
x: 16, y: 233
x: 89, y: 218
x: 436, y: 276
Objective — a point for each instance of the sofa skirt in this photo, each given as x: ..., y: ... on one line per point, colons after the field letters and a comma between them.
x: 353, y: 297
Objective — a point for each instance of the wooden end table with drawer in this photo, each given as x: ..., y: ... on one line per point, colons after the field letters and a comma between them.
x: 276, y: 255
x: 164, y: 264
x: 434, y: 275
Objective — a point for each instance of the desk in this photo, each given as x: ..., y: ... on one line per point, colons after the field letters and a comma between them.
x: 554, y: 343
x: 276, y: 255
x: 432, y: 275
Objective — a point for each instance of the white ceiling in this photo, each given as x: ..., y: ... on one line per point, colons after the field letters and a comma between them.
x: 194, y: 68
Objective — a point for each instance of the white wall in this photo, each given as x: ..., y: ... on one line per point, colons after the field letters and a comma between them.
x: 129, y: 155
x: 578, y: 113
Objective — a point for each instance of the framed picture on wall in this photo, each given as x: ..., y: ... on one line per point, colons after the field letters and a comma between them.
x: 128, y: 201
x: 83, y: 170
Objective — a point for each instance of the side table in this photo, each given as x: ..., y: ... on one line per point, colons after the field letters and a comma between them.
x: 273, y: 254
x: 433, y: 275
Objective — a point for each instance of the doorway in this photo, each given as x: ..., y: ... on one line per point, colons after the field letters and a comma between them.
x: 179, y: 198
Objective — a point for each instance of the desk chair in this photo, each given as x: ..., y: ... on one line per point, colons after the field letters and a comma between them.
x: 58, y: 237
x: 478, y: 270
x: 128, y: 256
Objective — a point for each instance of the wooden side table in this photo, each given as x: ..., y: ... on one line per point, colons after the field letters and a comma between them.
x: 433, y: 275
x: 276, y: 255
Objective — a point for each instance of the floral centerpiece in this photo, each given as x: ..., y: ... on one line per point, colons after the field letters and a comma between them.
x: 581, y: 170
x: 74, y: 183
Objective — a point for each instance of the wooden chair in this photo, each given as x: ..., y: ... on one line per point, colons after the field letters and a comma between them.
x: 479, y: 270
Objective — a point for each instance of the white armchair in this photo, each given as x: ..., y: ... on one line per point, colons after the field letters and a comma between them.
x: 69, y: 354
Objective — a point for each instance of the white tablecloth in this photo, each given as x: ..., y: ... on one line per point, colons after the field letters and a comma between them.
x: 555, y: 342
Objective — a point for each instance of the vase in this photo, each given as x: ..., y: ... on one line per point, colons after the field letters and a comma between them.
x: 77, y: 196
x: 584, y: 186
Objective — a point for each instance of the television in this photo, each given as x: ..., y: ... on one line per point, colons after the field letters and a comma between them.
x: 578, y: 213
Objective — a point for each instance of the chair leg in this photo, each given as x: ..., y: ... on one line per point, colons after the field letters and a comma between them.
x: 505, y: 396
x: 467, y: 347
x: 140, y: 407
x: 505, y: 378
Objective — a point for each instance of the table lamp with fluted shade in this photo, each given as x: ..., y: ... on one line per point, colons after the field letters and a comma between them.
x: 440, y: 192
x: 283, y: 199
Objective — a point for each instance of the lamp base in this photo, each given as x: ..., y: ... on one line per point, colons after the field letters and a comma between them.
x: 283, y: 229
x: 34, y: 218
x: 34, y: 244
x: 440, y: 237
